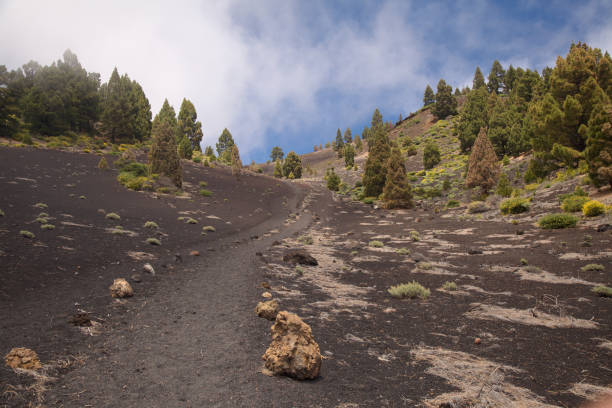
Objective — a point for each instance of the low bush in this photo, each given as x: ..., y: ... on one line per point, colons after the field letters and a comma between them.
x: 208, y: 228
x: 476, y: 207
x: 47, y: 227
x: 414, y: 236
x: 203, y: 184
x: 153, y: 241
x: 306, y: 240
x: 452, y: 204
x: 376, y: 244
x: 205, y: 193
x: 514, y: 205
x: 573, y: 203
x: 450, y: 286
x: 190, y: 220
x: 603, y: 291
x: 403, y: 251
x: 151, y: 224
x: 40, y: 205
x: 592, y: 268
x: 593, y: 208
x: 557, y: 221
x: 27, y: 234
x: 368, y: 200
x: 103, y: 164
x: 410, y: 290
x: 1, y: 213
x: 113, y: 216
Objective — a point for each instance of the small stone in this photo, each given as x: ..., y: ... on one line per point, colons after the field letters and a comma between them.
x: 194, y: 253
x: 477, y: 340
x: 473, y: 251
x: 20, y: 357
x: 121, y: 289
x: 265, y: 285
x: 604, y: 227
x: 149, y: 268
x: 266, y: 295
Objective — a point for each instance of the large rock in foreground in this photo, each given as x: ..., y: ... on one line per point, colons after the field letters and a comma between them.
x: 293, y: 351
x: 121, y: 289
x: 299, y: 256
x: 20, y: 357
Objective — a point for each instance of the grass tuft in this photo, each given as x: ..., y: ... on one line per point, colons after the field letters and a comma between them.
x: 414, y: 236
x: 27, y: 234
x: 593, y: 208
x: 306, y: 240
x: 603, y: 291
x: 113, y: 216
x: 208, y: 228
x: 376, y: 244
x: 153, y: 241
x: 403, y: 251
x: 47, y: 226
x: 190, y: 220
x: 450, y: 286
x: 151, y: 224
x: 203, y: 184
x: 205, y: 193
x: 41, y: 205
x: 1, y: 213
x: 557, y: 221
x: 514, y: 205
x: 592, y: 268
x: 410, y: 290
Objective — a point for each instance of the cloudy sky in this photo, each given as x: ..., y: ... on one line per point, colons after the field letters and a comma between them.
x: 290, y: 73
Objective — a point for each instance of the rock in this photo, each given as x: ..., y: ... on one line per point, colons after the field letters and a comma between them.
x: 267, y: 295
x: 20, y: 357
x: 149, y: 268
x: 194, y: 253
x: 267, y: 310
x: 136, y: 278
x: 178, y: 258
x: 293, y: 351
x: 121, y: 288
x: 604, y: 227
x: 299, y: 256
x: 477, y: 340
x: 275, y: 243
x: 473, y: 251
x: 80, y: 319
x: 265, y: 285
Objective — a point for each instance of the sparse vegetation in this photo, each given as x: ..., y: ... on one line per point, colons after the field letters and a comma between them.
x: 376, y: 244
x: 306, y: 240
x: 450, y: 286
x: 203, y: 184
x: 190, y: 220
x: 557, y: 221
x: 574, y: 203
x: 403, y: 251
x: 26, y: 234
x: 410, y: 290
x: 592, y: 268
x: 593, y: 208
x: 603, y: 291
x: 113, y: 216
x: 103, y: 164
x: 332, y: 180
x: 514, y: 205
x: 1, y: 213
x: 414, y: 236
x: 205, y: 193
x: 153, y: 241
x: 42, y: 206
x: 151, y: 225
x: 483, y: 167
x: 524, y: 262
x: 47, y: 227
x: 431, y: 155
x: 476, y: 207
x: 208, y: 228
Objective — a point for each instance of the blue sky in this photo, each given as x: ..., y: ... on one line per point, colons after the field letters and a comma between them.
x: 290, y: 73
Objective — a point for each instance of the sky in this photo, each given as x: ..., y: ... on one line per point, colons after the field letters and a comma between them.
x: 290, y: 73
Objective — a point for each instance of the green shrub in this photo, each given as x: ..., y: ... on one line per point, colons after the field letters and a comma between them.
x: 403, y: 251
x: 151, y: 224
x: 190, y: 220
x: 414, y: 236
x: 504, y: 188
x: 40, y: 205
x: 197, y: 159
x: 431, y: 155
x: 557, y: 221
x: 333, y: 180
x: 41, y: 220
x: 452, y: 204
x: 27, y: 234
x: 410, y: 290
x: 368, y: 200
x: 573, y: 203
x: 103, y: 164
x: 592, y: 268
x: 376, y: 244
x: 203, y: 184
x: 153, y: 241
x: 602, y: 291
x: 593, y: 208
x: 306, y: 240
x: 113, y: 216
x: 205, y: 193
x: 208, y: 228
x: 1, y: 213
x: 524, y: 262
x: 476, y: 207
x: 515, y: 205
x: 47, y: 226
x: 450, y: 286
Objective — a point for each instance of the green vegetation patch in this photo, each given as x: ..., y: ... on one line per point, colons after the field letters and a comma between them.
x: 151, y: 224
x: 450, y: 286
x: 306, y: 240
x: 573, y: 203
x: 592, y: 268
x: 153, y: 241
x: 376, y: 244
x: 603, y: 291
x: 593, y: 208
x: 410, y: 290
x: 113, y: 216
x: 26, y: 234
x: 403, y: 251
x: 414, y: 236
x: 1, y: 213
x: 208, y: 228
x: 42, y: 206
x: 190, y: 220
x: 47, y: 227
x: 514, y: 205
x: 205, y: 193
x: 557, y: 221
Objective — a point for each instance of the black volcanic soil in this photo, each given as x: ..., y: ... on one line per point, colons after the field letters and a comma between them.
x: 189, y: 336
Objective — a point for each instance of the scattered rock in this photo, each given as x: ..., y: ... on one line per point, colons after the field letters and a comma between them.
x: 149, y: 268
x: 258, y: 254
x: 267, y: 310
x: 81, y: 319
x: 194, y: 253
x: 604, y: 227
x: 121, y: 288
x: 299, y: 256
x: 473, y: 251
x: 265, y: 285
x: 136, y: 278
x: 276, y: 243
x: 20, y: 357
x: 266, y: 295
x: 477, y: 340
x: 293, y: 351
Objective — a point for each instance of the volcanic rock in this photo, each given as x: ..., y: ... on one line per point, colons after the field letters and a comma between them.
x: 20, y: 357
x: 121, y: 289
x: 267, y: 310
x: 299, y: 256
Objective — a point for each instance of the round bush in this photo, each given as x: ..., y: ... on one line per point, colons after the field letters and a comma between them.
x: 573, y: 203
x: 514, y: 205
x: 593, y: 208
x: 557, y: 221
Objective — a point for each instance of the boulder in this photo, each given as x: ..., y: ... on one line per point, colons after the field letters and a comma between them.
x: 299, y: 256
x: 267, y: 310
x: 293, y: 351
x: 20, y: 357
x: 121, y: 289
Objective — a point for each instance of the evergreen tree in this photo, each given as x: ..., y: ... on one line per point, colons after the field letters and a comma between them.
x: 349, y: 155
x: 142, y: 113
x: 397, y: 192
x: 377, y: 120
x: 9, y: 107
x: 209, y: 152
x: 166, y: 114
x: 483, y: 166
x: 598, y: 152
x: 332, y: 179
x: 496, y: 78
x: 188, y: 126
x: 278, y: 169
x: 509, y: 79
x: 446, y: 104
x: 473, y: 117
x: 236, y: 162
x: 185, y: 149
x: 358, y: 143
x: 224, y: 146
x: 504, y: 188
x: 339, y: 145
x: 478, y: 81
x: 278, y: 154
x: 429, y: 97
x: 163, y: 157
x: 507, y: 131
x: 115, y: 116
x: 374, y: 176
x: 293, y: 165
x: 365, y: 134
x: 348, y: 136
x: 431, y: 155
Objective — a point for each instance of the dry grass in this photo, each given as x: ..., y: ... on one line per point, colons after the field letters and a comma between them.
x: 480, y: 381
x: 590, y: 391
x: 532, y: 317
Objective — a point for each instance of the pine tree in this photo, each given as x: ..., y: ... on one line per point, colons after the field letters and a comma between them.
x: 236, y: 162
x: 397, y: 192
x: 209, y: 152
x: 166, y: 114
x: 474, y: 116
x: 185, y: 149
x: 188, y: 125
x: 509, y: 79
x: 429, y: 97
x: 163, y: 157
x: 598, y: 152
x: 504, y: 188
x: 293, y: 165
x: 115, y: 115
x: 446, y: 104
x: 339, y: 144
x: 377, y: 120
x: 224, y: 146
x: 348, y: 136
x: 478, y: 80
x: 349, y: 155
x: 483, y: 166
x: 278, y: 154
x: 332, y: 179
x: 431, y: 155
x: 142, y: 113
x: 278, y: 169
x: 374, y: 176
x: 496, y: 78
x: 358, y: 143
